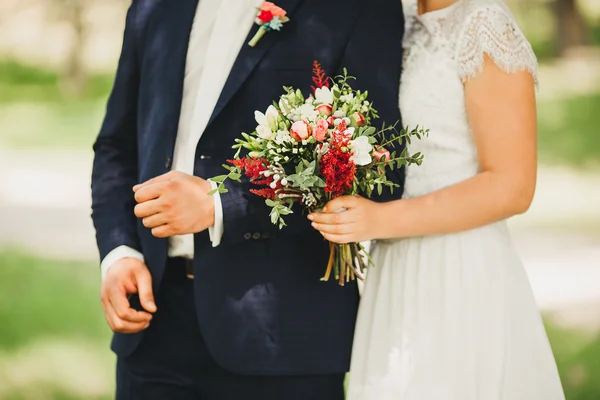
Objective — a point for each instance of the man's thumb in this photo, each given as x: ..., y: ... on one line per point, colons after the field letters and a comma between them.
x: 144, y: 284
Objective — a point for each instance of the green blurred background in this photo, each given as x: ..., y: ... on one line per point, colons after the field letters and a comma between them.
x: 57, y: 58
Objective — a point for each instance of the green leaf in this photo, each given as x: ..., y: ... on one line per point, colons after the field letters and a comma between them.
x: 219, y: 178
x: 369, y: 131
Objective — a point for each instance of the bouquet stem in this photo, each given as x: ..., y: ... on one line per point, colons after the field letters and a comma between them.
x: 347, y: 262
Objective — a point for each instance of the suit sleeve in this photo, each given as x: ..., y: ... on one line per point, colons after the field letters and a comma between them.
x: 245, y: 216
x: 374, y: 57
x: 115, y: 167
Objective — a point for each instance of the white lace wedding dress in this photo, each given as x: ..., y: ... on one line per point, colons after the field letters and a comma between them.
x: 451, y: 317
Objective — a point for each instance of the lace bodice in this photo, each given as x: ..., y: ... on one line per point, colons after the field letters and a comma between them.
x: 443, y: 49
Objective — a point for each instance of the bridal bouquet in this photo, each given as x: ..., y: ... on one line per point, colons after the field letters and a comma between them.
x: 309, y: 150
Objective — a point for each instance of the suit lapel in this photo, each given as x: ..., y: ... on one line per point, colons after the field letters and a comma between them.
x: 172, y: 45
x: 248, y: 59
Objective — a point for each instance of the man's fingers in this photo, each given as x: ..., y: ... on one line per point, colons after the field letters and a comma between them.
x: 122, y: 308
x: 119, y: 325
x: 147, y: 209
x: 161, y: 178
x: 144, y: 285
x: 150, y: 191
x: 155, y: 220
x: 163, y: 231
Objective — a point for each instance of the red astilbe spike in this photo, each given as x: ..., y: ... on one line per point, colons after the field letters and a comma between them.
x: 253, y: 167
x: 320, y: 78
x: 267, y: 193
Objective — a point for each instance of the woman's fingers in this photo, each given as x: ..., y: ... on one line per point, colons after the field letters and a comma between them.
x: 339, y: 229
x: 339, y: 239
x: 334, y: 218
x: 340, y: 203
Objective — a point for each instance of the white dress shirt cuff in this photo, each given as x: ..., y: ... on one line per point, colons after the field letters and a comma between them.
x: 216, y: 231
x: 118, y: 254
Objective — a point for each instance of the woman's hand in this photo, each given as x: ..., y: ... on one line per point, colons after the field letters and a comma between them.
x: 360, y: 220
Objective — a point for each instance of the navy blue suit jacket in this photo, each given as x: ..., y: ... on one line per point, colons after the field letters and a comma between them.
x: 261, y: 307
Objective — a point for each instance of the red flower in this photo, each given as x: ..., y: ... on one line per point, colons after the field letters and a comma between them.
x: 253, y: 168
x: 267, y: 193
x: 265, y: 16
x: 336, y: 167
x: 320, y: 79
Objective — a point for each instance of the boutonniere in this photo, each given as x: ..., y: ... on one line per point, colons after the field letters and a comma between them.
x: 270, y: 18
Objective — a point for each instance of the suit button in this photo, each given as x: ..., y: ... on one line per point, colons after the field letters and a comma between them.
x: 256, y: 236
x: 247, y: 236
x: 168, y: 162
x: 266, y: 235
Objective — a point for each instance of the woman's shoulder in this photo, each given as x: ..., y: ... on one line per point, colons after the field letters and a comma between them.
x: 488, y: 27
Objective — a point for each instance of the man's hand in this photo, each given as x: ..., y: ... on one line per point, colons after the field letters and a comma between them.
x: 125, y: 277
x: 175, y: 204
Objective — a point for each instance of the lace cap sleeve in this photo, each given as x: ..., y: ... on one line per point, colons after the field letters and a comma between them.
x: 491, y: 29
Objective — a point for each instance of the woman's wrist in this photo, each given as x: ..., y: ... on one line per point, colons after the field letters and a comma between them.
x: 389, y: 223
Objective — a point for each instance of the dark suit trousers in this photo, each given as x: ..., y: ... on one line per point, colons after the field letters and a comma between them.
x: 173, y: 362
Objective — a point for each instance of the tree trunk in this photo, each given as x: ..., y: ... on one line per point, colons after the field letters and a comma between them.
x: 74, y: 78
x: 572, y: 28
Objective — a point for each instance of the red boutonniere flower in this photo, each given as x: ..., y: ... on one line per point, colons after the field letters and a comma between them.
x: 270, y: 18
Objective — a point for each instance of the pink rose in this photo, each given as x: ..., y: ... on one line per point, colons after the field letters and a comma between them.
x: 300, y: 130
x: 359, y: 119
x: 324, y: 109
x: 380, y: 153
x: 273, y: 9
x: 331, y: 121
x: 321, y: 129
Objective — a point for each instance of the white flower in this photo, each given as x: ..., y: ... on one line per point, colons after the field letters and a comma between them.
x: 283, y: 137
x: 306, y: 112
x: 264, y: 132
x: 324, y: 95
x: 267, y: 123
x: 361, y: 149
x: 284, y: 105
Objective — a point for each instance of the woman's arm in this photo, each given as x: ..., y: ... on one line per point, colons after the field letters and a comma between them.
x: 502, y: 114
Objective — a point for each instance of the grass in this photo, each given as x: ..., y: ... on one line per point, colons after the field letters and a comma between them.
x: 578, y: 358
x: 568, y: 130
x: 50, y: 124
x: 35, y: 112
x: 49, y: 298
x: 20, y: 82
x: 53, y: 338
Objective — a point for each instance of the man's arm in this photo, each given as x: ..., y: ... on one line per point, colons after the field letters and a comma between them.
x: 114, y: 173
x: 115, y: 168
